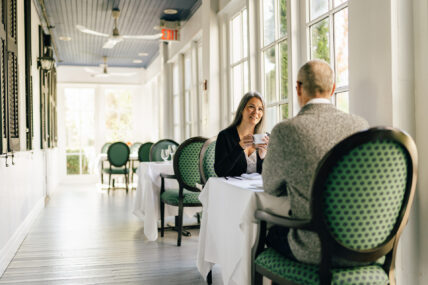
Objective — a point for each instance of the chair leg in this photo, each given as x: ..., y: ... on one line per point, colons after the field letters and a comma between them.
x: 258, y: 278
x: 162, y: 212
x: 126, y: 181
x: 109, y: 182
x: 210, y: 277
x: 180, y: 222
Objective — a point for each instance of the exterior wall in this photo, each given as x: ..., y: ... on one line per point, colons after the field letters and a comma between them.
x: 24, y: 185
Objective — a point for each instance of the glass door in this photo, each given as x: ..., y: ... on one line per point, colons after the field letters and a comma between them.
x: 80, y: 130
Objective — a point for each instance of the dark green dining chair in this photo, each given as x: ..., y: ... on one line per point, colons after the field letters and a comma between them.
x: 186, y: 171
x: 143, y: 155
x: 155, y: 150
x: 206, y: 160
x: 144, y: 152
x: 104, y: 149
x: 362, y: 192
x: 118, y: 157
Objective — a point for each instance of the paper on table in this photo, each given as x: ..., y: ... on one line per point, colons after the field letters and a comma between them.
x: 251, y: 176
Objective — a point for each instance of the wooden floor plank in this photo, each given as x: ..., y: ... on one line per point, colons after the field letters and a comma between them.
x: 86, y: 236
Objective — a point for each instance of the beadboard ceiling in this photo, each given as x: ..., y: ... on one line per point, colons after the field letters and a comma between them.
x: 137, y: 17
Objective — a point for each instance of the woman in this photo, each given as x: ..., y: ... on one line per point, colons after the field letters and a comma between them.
x: 235, y: 152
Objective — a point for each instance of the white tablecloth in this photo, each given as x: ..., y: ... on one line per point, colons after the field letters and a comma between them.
x: 147, y: 196
x: 228, y: 228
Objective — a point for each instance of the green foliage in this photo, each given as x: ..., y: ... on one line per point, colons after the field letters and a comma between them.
x: 73, y: 164
x: 284, y: 70
x: 320, y: 41
x: 283, y: 17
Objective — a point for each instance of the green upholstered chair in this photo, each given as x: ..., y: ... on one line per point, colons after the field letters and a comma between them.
x: 206, y: 160
x: 186, y: 171
x: 362, y: 192
x: 104, y: 149
x: 144, y: 152
x: 155, y: 150
x: 118, y: 156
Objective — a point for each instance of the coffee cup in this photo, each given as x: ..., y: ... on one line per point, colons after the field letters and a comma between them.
x: 258, y: 138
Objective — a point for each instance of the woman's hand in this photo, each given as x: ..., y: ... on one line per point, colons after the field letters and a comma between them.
x: 262, y: 148
x: 246, y: 141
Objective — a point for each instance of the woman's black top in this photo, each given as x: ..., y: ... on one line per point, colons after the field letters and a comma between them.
x: 229, y: 156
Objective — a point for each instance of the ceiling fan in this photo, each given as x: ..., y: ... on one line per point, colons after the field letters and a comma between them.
x: 104, y: 72
x: 115, y: 38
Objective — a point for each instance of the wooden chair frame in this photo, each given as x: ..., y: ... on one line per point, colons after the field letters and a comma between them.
x: 182, y: 185
x: 317, y: 224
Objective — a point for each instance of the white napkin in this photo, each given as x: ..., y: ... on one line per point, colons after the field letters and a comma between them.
x: 251, y: 176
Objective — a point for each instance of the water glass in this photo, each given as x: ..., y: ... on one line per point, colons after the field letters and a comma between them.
x: 165, y: 154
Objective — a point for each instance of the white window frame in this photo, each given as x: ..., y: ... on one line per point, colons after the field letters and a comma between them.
x: 330, y: 16
x: 278, y: 102
x: 244, y: 59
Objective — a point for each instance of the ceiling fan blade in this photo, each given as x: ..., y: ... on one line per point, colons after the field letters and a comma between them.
x: 143, y: 37
x: 87, y: 31
x: 89, y: 70
x: 112, y: 42
x: 123, y: 74
x: 101, y: 75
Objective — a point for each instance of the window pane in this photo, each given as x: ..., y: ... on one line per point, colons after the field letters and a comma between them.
x: 73, y: 164
x: 283, y: 61
x: 187, y: 73
x: 176, y: 106
x: 342, y: 101
x: 85, y: 164
x: 187, y: 106
x: 271, y: 117
x: 338, y: 2
x: 236, y: 39
x: 284, y: 111
x: 237, y: 85
x: 318, y: 7
x: 119, y: 125
x: 282, y: 18
x: 246, y: 82
x: 268, y: 21
x: 177, y: 136
x: 245, y: 32
x: 320, y: 48
x: 341, y: 46
x: 269, y: 76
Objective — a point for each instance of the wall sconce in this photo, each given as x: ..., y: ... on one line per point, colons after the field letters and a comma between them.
x: 46, y: 62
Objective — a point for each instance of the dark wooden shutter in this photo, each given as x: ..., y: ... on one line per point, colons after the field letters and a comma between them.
x: 29, y: 131
x: 12, y: 75
x: 3, y: 91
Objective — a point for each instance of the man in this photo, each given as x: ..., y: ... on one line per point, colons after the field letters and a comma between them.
x: 295, y: 148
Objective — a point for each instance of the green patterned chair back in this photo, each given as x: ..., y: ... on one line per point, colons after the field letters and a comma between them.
x: 206, y: 162
x: 118, y: 154
x: 104, y: 148
x: 155, y: 150
x: 362, y: 193
x: 135, y: 146
x: 144, y: 152
x: 186, y: 163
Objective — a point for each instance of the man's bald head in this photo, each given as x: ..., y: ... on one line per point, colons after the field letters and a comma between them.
x: 316, y: 78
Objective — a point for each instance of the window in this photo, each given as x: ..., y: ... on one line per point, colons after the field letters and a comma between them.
x: 188, y: 98
x: 80, y: 130
x: 238, y: 58
x: 274, y: 53
x: 176, y: 102
x: 9, y: 116
x: 327, y: 27
x: 118, y: 120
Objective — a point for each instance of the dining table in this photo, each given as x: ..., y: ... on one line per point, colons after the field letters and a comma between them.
x: 147, y: 196
x: 229, y: 229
